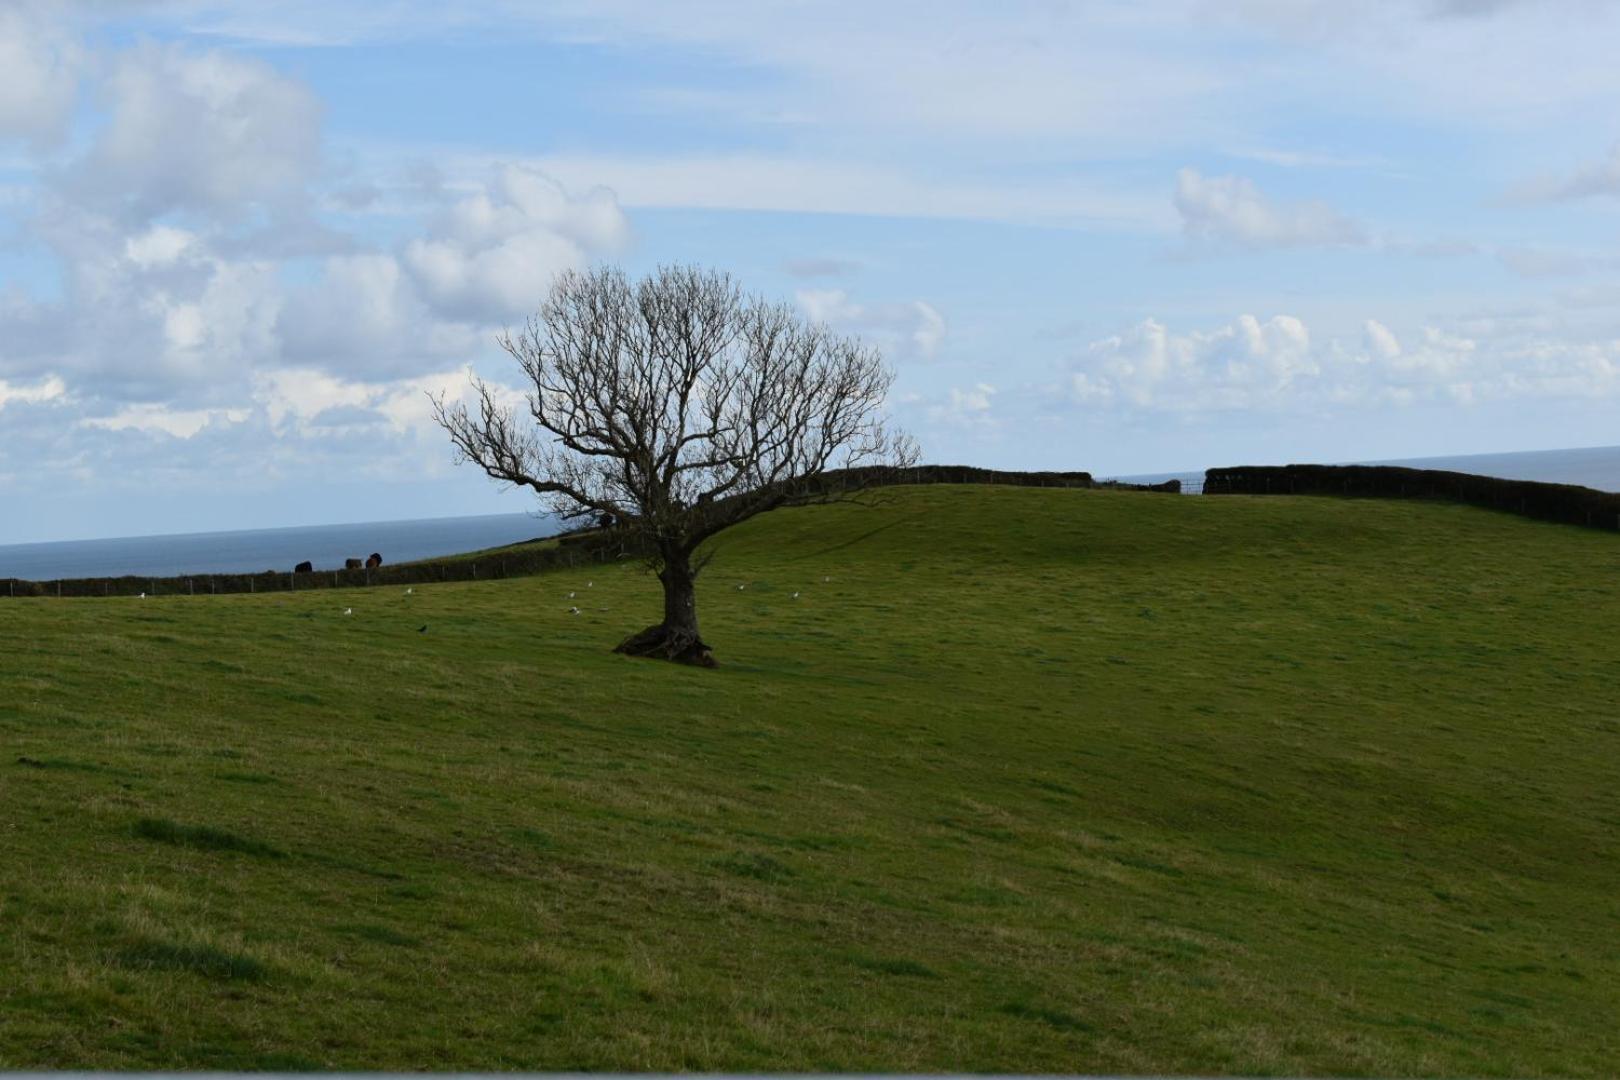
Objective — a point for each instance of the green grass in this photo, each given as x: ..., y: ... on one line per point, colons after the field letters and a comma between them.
x: 202, y: 837
x: 1023, y: 780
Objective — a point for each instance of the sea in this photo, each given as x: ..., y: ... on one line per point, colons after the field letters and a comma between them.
x: 253, y: 550
x: 327, y: 546
x: 1591, y: 466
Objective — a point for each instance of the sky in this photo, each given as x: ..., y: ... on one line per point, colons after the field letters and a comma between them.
x: 240, y: 244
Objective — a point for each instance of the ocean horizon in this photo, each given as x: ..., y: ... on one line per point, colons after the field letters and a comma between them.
x: 248, y: 551
x: 1588, y: 466
x: 327, y: 546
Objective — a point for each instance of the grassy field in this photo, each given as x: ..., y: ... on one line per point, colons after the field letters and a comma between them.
x: 1023, y: 780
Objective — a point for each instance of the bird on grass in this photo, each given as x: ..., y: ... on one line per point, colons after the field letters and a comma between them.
x: 570, y: 596
x: 143, y: 596
x: 408, y: 592
x: 573, y: 611
x: 588, y: 584
x: 741, y: 587
x: 422, y: 629
x: 348, y: 611
x: 795, y: 596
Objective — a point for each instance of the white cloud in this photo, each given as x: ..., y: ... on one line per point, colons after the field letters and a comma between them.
x: 486, y: 259
x: 1381, y: 340
x: 160, y: 245
x: 364, y: 316
x: 212, y: 131
x: 493, y: 255
x: 1231, y: 210
x: 1530, y: 61
x: 192, y: 309
x: 39, y: 75
x: 1596, y: 179
x: 50, y: 388
x: 304, y: 401
x: 838, y: 185
x: 177, y: 423
x: 1239, y: 365
x: 955, y: 71
x: 906, y: 329
x: 1276, y: 365
x: 970, y: 406
x: 930, y: 330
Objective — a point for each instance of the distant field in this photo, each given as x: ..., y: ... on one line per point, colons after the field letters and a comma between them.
x: 1023, y: 780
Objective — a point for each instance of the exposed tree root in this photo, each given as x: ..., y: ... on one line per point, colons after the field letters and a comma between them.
x: 668, y: 643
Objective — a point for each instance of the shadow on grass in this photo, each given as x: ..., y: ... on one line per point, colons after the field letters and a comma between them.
x: 1051, y: 1017
x: 893, y: 966
x: 758, y: 867
x: 148, y: 954
x: 201, y: 837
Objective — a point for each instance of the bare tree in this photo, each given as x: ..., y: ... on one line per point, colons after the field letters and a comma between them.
x: 678, y: 407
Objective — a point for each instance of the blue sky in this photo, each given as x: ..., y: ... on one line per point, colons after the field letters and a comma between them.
x: 240, y: 243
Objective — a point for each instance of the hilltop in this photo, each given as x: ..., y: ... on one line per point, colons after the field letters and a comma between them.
x: 1023, y: 780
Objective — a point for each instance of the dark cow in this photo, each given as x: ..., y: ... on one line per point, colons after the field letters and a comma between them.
x: 373, y: 561
x: 352, y: 564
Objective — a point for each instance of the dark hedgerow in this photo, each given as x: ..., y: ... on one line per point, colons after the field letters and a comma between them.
x: 592, y: 545
x: 1566, y: 503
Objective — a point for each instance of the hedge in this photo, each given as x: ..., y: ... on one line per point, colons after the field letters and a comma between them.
x: 1566, y: 503
x: 572, y: 549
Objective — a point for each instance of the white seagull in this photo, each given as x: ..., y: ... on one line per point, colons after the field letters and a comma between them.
x: 348, y: 611
x: 795, y: 596
x: 573, y: 611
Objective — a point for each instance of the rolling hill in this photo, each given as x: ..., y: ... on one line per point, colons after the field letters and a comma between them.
x: 1021, y: 780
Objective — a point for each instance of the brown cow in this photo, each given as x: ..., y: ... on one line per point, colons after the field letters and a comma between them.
x: 374, y: 561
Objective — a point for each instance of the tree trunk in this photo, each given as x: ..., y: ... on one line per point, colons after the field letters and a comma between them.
x: 676, y: 638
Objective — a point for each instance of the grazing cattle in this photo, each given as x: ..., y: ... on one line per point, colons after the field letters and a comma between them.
x: 352, y: 564
x: 304, y: 568
x: 374, y: 561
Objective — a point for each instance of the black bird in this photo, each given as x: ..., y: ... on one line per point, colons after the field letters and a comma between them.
x: 423, y: 630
